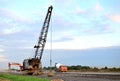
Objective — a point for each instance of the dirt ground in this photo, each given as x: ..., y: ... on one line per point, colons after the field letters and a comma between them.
x: 76, y: 76
x: 84, y: 76
x: 4, y: 80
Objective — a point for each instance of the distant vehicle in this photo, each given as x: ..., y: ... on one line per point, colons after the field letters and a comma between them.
x: 15, y: 64
x: 60, y: 67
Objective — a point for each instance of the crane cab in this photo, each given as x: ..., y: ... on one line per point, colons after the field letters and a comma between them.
x: 31, y: 63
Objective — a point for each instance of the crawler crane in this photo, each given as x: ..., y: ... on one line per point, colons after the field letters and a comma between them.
x: 34, y: 65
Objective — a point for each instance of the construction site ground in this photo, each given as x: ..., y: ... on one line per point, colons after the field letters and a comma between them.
x: 75, y: 76
x: 84, y: 76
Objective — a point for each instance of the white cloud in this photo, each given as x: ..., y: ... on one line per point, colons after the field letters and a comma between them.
x: 26, y: 47
x: 2, y: 58
x: 1, y: 50
x: 78, y: 10
x: 98, y: 7
x: 86, y: 42
x: 115, y: 18
x: 11, y: 30
x: 1, y: 47
x: 14, y: 15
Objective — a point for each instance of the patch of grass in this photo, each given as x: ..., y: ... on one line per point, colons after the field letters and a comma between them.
x: 3, y: 79
x: 20, y: 78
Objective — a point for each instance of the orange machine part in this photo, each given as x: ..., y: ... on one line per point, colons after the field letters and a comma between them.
x: 63, y: 68
x: 15, y: 64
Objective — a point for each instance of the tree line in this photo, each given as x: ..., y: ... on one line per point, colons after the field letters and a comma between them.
x: 89, y: 69
x: 94, y: 69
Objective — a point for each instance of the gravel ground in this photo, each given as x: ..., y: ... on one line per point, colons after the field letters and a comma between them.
x: 78, y: 76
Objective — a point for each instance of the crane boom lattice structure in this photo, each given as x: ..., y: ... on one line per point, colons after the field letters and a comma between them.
x: 43, y: 35
x: 33, y: 65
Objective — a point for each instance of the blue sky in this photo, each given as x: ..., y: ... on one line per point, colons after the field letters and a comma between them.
x: 84, y: 32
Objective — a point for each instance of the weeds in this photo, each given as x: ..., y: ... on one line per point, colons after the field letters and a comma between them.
x: 10, y: 77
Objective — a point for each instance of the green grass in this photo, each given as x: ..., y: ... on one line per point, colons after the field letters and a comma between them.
x: 20, y: 78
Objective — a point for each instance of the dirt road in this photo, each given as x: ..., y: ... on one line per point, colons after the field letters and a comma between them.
x: 78, y: 76
x: 85, y: 76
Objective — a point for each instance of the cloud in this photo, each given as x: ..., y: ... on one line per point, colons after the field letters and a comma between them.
x: 98, y: 7
x: 27, y: 47
x: 11, y: 30
x: 14, y: 16
x: 12, y: 22
x: 115, y: 18
x: 2, y: 58
x: 1, y: 47
x: 78, y: 10
x: 86, y: 42
x: 62, y: 39
x: 100, y: 26
x: 1, y: 50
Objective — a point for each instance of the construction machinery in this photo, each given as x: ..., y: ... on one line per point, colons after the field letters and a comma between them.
x: 34, y: 65
x: 60, y: 67
x: 15, y: 64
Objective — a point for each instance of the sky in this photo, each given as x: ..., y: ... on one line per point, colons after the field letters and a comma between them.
x: 84, y: 32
